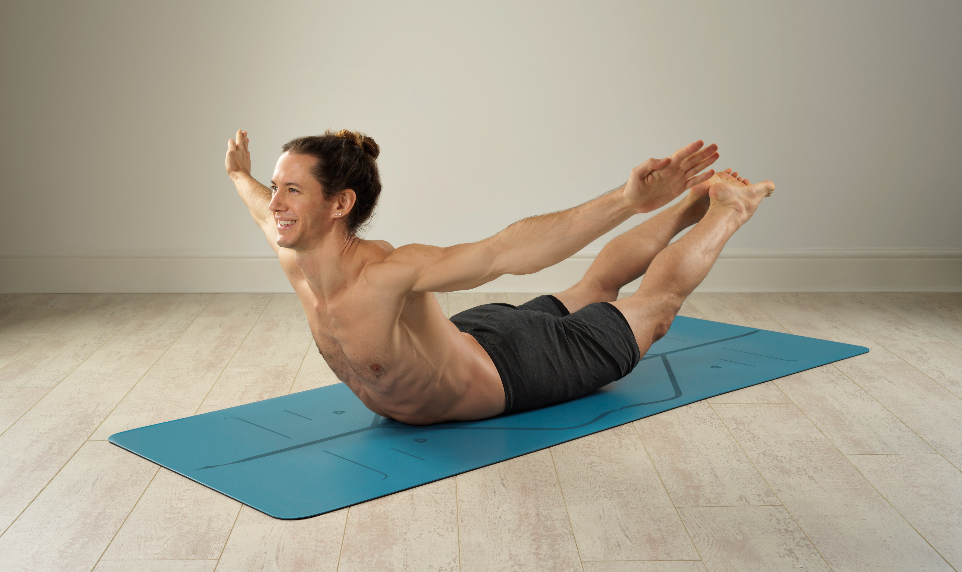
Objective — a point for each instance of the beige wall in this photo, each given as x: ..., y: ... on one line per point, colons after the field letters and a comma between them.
x: 115, y: 116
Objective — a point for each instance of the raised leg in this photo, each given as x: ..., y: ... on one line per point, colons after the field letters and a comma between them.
x: 629, y: 255
x: 680, y: 267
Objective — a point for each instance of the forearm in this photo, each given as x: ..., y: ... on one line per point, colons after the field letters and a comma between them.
x: 538, y: 242
x: 256, y: 196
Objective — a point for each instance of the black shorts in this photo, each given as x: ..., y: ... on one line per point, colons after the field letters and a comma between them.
x: 546, y: 355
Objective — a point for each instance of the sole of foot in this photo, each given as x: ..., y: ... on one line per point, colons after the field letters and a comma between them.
x: 738, y: 194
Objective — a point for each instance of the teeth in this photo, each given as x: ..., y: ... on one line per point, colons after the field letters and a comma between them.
x: 285, y: 222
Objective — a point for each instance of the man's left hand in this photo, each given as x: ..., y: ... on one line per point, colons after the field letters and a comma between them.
x: 657, y: 182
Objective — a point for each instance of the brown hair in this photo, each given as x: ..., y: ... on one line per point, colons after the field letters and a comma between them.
x: 345, y: 160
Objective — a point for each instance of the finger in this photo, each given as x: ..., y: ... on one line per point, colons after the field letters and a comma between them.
x: 687, y: 150
x: 702, y: 165
x: 231, y: 145
x: 699, y: 178
x: 698, y: 157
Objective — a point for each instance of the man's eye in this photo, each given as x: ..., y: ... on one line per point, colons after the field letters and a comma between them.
x: 273, y: 190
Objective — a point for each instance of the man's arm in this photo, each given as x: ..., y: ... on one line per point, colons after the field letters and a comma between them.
x: 535, y: 243
x: 256, y: 196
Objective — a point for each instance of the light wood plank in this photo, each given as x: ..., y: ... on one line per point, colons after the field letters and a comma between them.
x: 177, y: 384
x: 926, y: 407
x: 416, y: 529
x: 953, y: 299
x: 160, y: 323
x: 512, y: 517
x: 72, y: 521
x: 47, y: 362
x: 927, y: 492
x: 618, y: 506
x: 766, y: 392
x: 734, y: 309
x: 39, y: 314
x: 846, y: 519
x: 869, y: 318
x: 156, y: 566
x: 266, y: 363
x: 261, y: 543
x: 15, y: 401
x: 176, y: 519
x: 941, y: 361
x: 243, y: 385
x: 35, y: 447
x: 279, y: 338
x: 646, y: 566
x: 699, y: 461
x: 12, y: 345
x: 802, y: 316
x: 931, y: 312
x: 750, y: 538
x: 851, y: 419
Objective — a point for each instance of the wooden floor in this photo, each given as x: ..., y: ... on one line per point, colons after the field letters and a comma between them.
x: 850, y: 466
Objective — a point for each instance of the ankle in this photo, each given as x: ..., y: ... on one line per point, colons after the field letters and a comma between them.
x: 733, y: 213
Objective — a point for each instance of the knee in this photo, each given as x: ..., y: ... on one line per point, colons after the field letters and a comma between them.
x: 666, y: 310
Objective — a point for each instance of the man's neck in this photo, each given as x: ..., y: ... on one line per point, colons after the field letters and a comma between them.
x: 331, y: 266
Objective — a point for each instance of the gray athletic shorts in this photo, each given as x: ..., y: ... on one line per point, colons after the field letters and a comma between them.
x: 546, y: 355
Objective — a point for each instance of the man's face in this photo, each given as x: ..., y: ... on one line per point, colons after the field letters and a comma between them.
x: 298, y: 205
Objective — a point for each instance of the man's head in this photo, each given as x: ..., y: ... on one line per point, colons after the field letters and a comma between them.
x: 325, y: 181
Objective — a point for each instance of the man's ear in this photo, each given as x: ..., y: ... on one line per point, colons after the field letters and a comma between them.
x: 345, y: 200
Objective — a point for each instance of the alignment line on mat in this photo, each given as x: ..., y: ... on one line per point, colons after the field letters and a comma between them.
x: 256, y: 425
x: 356, y: 463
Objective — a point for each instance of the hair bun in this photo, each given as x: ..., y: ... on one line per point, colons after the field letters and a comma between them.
x: 366, y: 143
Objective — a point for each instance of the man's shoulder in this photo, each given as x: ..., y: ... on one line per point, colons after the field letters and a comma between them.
x: 384, y: 245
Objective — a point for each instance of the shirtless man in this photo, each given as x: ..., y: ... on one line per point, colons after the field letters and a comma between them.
x: 377, y: 324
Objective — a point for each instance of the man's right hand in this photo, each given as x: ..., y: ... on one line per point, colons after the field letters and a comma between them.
x: 238, y: 160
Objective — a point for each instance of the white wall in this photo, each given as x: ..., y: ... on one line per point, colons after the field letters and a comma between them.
x: 115, y: 117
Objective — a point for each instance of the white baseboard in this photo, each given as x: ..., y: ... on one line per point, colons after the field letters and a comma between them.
x: 735, y: 271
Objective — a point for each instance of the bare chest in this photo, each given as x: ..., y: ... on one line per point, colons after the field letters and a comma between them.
x: 359, y: 345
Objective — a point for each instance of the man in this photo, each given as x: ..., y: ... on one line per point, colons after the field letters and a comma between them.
x: 376, y: 322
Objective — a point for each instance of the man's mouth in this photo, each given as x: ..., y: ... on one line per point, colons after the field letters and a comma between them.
x: 285, y: 223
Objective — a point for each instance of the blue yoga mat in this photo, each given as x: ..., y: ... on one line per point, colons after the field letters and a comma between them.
x: 312, y: 452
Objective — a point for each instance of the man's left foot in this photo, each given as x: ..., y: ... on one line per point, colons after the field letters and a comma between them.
x: 697, y: 201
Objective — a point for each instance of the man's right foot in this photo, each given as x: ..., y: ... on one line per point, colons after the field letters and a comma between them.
x: 735, y: 193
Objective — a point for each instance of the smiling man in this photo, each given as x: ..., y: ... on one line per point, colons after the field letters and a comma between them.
x: 377, y: 324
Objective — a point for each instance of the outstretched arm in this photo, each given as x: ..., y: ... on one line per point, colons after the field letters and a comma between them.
x: 534, y: 243
x: 256, y: 196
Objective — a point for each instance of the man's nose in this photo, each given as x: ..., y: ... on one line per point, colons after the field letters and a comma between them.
x: 276, y: 203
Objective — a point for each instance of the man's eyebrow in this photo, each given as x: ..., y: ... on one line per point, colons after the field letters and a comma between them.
x: 291, y: 184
